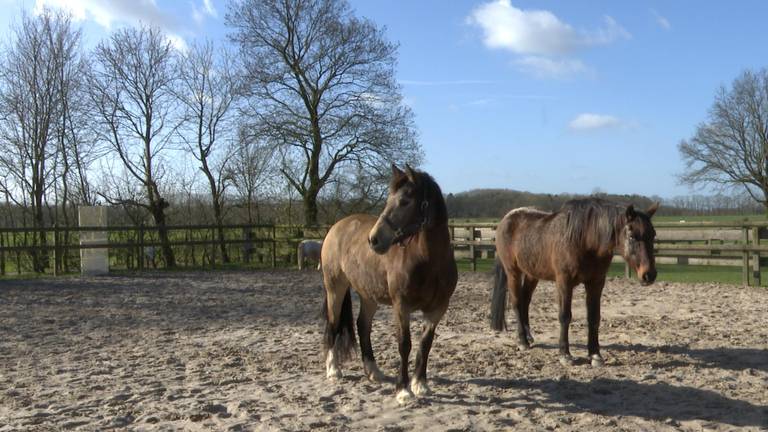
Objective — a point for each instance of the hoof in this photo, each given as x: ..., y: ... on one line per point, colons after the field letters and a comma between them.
x: 420, y: 388
x: 523, y: 346
x: 597, y: 361
x: 333, y: 374
x: 566, y: 360
x: 376, y: 376
x: 372, y: 371
x: 404, y: 397
x: 529, y: 335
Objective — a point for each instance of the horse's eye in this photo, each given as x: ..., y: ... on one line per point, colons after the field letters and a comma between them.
x: 404, y: 202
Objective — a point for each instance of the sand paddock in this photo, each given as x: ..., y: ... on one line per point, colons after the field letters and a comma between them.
x: 240, y: 351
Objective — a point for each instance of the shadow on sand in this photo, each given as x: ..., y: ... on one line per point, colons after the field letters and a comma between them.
x: 612, y: 397
x: 736, y: 359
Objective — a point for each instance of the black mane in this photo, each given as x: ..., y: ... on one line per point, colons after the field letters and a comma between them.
x: 593, y: 221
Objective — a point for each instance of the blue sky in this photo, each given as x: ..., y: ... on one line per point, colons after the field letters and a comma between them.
x: 546, y: 96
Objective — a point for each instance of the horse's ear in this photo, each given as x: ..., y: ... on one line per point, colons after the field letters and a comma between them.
x: 410, y: 173
x: 396, y: 172
x: 631, y: 213
x: 652, y: 209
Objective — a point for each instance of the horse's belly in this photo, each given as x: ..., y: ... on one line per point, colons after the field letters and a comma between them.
x: 536, y: 266
x: 367, y: 283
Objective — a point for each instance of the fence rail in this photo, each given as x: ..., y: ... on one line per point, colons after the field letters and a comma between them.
x: 733, y: 243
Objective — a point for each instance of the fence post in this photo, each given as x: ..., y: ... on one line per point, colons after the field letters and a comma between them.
x: 141, y: 246
x: 745, y: 257
x: 274, y: 247
x: 472, y: 248
x: 2, y: 254
x: 55, y: 250
x: 213, y: 248
x: 756, y: 256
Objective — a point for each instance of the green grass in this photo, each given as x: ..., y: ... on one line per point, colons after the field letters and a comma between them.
x: 667, y: 272
x: 689, y: 273
x: 724, y: 218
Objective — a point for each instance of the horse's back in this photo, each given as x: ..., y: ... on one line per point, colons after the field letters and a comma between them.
x: 523, y: 242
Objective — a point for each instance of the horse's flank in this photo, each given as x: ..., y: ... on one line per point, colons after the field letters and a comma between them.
x: 575, y: 239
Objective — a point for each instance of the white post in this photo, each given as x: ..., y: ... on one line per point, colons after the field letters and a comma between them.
x: 93, y: 261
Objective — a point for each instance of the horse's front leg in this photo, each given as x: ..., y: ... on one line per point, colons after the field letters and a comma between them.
x: 594, y: 292
x: 565, y: 296
x: 419, y: 382
x: 403, y: 330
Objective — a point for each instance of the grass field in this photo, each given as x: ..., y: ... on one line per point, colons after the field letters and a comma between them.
x: 667, y: 272
x: 660, y: 218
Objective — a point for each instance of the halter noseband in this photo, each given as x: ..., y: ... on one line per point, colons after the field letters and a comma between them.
x: 404, y: 233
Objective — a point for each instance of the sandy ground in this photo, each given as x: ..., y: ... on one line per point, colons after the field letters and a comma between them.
x: 240, y: 351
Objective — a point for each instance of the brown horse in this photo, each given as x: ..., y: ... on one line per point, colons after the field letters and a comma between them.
x: 571, y: 246
x: 404, y: 259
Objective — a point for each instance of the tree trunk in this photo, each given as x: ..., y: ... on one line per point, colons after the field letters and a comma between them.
x: 220, y: 229
x: 158, y: 213
x: 310, y: 208
x: 40, y: 256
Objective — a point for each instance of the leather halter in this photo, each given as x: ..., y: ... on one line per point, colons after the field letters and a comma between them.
x: 402, y: 234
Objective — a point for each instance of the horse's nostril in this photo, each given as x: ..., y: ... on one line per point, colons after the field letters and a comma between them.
x: 649, y: 276
x: 373, y: 241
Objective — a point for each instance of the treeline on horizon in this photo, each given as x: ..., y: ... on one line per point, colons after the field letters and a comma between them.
x: 495, y: 203
x: 492, y: 204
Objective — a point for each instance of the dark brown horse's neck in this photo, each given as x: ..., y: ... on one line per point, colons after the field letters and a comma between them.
x: 616, y: 243
x: 432, y: 242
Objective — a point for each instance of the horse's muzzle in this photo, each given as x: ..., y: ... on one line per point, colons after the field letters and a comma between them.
x: 648, y: 277
x: 377, y: 245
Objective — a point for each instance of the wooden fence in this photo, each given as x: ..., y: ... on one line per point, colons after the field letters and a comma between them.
x: 706, y: 243
x: 736, y: 243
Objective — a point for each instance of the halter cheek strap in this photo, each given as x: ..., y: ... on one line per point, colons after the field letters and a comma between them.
x: 403, y: 233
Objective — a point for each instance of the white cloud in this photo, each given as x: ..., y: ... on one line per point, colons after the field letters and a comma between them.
x: 590, y: 122
x: 661, y: 21
x: 543, y: 39
x: 199, y: 12
x: 108, y: 13
x: 209, y: 9
x: 545, y: 67
x: 537, y: 32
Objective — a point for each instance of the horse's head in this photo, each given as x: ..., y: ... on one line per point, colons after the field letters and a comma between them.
x: 637, y: 236
x: 405, y: 212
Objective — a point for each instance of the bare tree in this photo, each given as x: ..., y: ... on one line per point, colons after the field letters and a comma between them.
x: 321, y: 85
x: 251, y: 170
x: 132, y: 91
x: 208, y: 90
x: 33, y: 103
x: 730, y: 149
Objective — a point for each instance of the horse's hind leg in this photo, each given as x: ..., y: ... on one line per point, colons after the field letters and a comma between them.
x: 419, y: 382
x: 339, y: 332
x: 529, y: 285
x: 364, y: 320
x: 565, y: 297
x: 517, y: 301
x: 594, y: 292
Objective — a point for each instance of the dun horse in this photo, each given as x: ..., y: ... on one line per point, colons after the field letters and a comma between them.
x: 404, y: 259
x: 571, y: 246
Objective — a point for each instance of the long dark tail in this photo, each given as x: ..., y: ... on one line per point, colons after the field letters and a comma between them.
x: 499, y: 298
x: 341, y: 338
